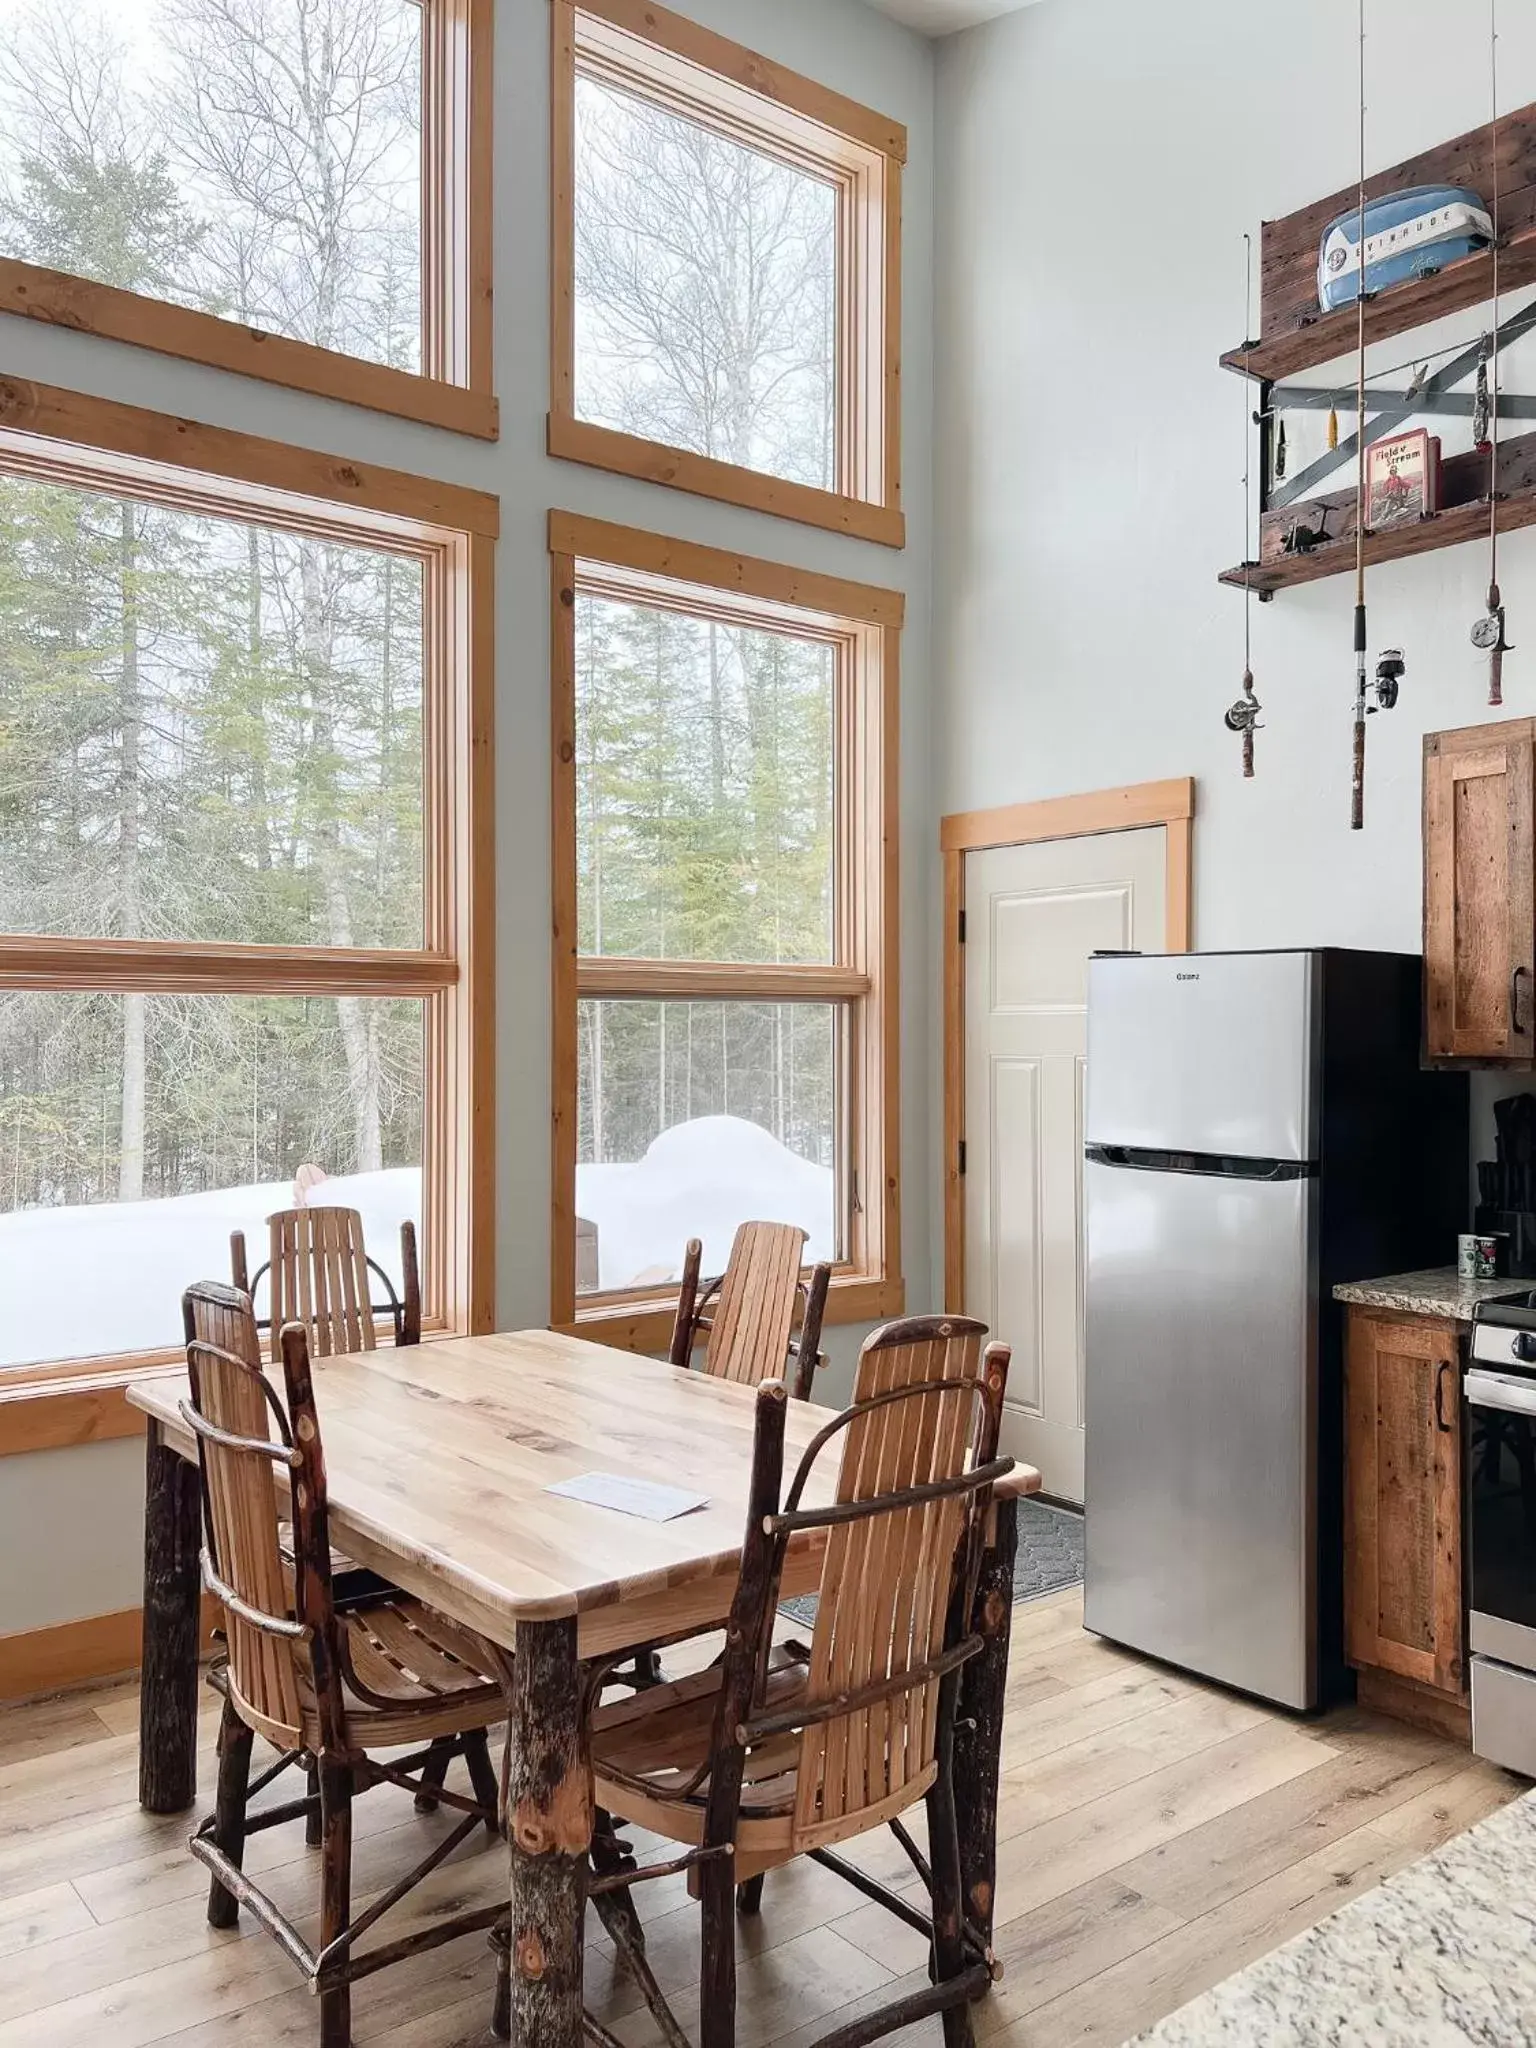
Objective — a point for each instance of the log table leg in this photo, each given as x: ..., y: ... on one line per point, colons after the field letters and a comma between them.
x: 549, y: 1831
x: 979, y: 1723
x: 168, y: 1672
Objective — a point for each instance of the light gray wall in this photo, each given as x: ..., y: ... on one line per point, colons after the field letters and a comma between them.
x: 1100, y: 161
x: 1099, y: 164
x: 47, y: 1501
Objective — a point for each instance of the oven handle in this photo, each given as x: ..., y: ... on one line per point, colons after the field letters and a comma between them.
x: 1511, y: 1397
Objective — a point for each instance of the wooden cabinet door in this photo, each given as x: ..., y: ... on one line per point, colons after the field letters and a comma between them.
x: 1479, y: 873
x: 1402, y: 1556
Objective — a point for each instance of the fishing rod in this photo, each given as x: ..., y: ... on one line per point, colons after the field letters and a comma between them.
x: 1489, y: 634
x: 1243, y: 716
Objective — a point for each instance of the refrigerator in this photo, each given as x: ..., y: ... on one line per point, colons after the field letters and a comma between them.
x: 1258, y: 1127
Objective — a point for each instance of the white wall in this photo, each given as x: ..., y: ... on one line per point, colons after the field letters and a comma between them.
x: 44, y: 1499
x: 1100, y: 161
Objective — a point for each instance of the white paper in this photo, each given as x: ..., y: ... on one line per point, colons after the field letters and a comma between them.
x: 643, y: 1497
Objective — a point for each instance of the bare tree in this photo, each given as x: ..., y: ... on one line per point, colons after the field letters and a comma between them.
x: 705, y: 289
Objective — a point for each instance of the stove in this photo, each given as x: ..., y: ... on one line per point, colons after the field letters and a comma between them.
x: 1501, y: 1531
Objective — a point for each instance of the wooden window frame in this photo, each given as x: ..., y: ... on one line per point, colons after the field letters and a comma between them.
x: 454, y: 387
x: 704, y: 77
x: 624, y: 562
x: 63, y: 437
x: 1170, y: 804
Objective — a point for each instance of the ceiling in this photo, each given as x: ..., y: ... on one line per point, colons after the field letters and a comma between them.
x: 943, y: 17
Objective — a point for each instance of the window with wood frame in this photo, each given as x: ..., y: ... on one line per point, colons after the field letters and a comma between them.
x: 725, y: 1006
x: 244, y: 869
x: 299, y: 191
x: 727, y: 272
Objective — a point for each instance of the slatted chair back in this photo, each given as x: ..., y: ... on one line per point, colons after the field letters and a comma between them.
x: 918, y: 1461
x: 319, y: 1273
x: 279, y: 1617
x: 748, y: 1331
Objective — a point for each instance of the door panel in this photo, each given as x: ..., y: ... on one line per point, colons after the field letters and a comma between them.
x: 1200, y: 1423
x: 1479, y: 928
x: 1034, y: 914
x: 1403, y: 1594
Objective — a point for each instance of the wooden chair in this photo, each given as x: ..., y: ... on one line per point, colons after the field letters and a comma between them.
x: 777, y: 1753
x: 749, y: 1333
x: 318, y: 1273
x: 324, y: 1686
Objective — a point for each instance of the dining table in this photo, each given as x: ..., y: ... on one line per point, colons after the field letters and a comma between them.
x: 439, y: 1459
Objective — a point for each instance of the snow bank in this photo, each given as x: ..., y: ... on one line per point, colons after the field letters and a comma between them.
x: 108, y: 1279
x: 700, y: 1179
x: 78, y: 1282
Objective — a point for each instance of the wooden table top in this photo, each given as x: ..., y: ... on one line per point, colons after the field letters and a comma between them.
x: 438, y: 1457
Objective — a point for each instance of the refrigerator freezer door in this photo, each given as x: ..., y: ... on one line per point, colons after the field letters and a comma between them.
x: 1200, y: 1397
x: 1205, y: 1052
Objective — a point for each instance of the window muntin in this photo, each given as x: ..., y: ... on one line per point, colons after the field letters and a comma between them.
x: 137, y: 1131
x: 697, y: 1117
x: 213, y: 730
x: 706, y: 290
x: 706, y: 786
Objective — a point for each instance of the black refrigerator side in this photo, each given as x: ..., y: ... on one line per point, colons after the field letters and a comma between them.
x: 1395, y: 1149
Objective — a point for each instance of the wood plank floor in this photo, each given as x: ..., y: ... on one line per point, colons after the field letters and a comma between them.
x: 1156, y: 1835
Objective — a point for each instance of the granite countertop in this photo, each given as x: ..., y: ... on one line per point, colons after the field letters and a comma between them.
x: 1443, y: 1953
x: 1441, y: 1292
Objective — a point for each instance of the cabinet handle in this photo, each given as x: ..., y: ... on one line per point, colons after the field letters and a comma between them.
x: 1441, y: 1370
x: 1517, y: 1029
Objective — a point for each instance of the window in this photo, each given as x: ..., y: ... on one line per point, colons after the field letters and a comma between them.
x: 725, y: 920
x: 726, y: 272
x: 241, y: 922
x: 297, y: 190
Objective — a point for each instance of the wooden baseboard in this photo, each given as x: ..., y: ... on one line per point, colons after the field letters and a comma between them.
x: 43, y: 1660
x: 1404, y: 1699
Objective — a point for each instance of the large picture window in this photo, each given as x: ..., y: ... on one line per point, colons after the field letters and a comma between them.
x: 239, y: 924
x: 726, y: 272
x: 296, y: 190
x: 725, y: 919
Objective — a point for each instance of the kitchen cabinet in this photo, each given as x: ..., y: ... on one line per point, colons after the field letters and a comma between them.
x: 1480, y: 894
x: 1403, y: 1598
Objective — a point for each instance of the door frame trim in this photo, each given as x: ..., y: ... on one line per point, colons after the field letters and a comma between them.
x: 1129, y: 809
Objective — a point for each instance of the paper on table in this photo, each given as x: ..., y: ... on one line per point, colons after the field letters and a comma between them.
x: 642, y: 1497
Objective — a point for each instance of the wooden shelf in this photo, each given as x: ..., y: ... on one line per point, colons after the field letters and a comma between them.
x: 1336, y: 557
x: 1394, y: 311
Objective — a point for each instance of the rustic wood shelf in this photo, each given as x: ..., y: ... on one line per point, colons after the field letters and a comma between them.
x: 1335, y: 557
x: 1394, y: 311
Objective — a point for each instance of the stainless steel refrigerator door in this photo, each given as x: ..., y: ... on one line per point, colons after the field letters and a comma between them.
x: 1205, y: 1052
x: 1200, y: 1396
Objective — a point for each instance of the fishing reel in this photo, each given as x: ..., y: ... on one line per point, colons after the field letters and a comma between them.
x: 1390, y: 670
x: 1243, y: 716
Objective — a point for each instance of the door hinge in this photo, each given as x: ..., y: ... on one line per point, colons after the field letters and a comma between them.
x: 962, y: 927
x: 962, y: 1155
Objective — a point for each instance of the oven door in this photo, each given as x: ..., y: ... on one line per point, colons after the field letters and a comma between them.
x: 1501, y: 1515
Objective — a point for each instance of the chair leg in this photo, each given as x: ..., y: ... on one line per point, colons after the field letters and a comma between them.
x: 749, y: 1896
x: 501, y: 2011
x: 335, y: 1894
x: 229, y: 1811
x: 434, y: 1771
x: 483, y: 1777
x: 948, y: 1959
x: 717, y: 1980
x: 312, y: 1828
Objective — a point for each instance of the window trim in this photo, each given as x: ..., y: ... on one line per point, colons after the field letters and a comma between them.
x: 741, y: 94
x: 69, y: 438
x: 454, y: 388
x: 739, y: 587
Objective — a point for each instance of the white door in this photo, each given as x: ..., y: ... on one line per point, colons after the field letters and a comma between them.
x: 1033, y: 915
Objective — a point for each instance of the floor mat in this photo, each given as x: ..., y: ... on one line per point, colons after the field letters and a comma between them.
x: 1050, y: 1557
